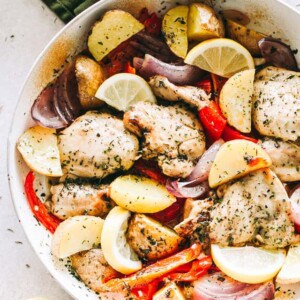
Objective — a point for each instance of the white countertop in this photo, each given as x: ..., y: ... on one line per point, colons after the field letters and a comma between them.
x: 26, y: 26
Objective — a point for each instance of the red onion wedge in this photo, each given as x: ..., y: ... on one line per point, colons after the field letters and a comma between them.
x: 278, y: 53
x: 221, y: 287
x: 178, y: 74
x: 201, y: 171
x: 58, y: 105
x: 181, y: 189
x: 196, y: 184
x: 43, y: 112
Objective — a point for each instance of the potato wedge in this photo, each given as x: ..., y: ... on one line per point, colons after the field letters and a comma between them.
x: 290, y: 271
x: 203, y: 23
x: 140, y: 194
x: 115, y: 27
x: 89, y: 75
x: 236, y: 100
x: 76, y: 234
x: 236, y: 159
x: 247, y: 37
x: 38, y: 146
x: 174, y: 27
x: 151, y: 240
x: 171, y: 292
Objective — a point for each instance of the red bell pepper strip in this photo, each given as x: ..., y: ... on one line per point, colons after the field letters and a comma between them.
x: 144, y: 15
x: 230, y: 134
x: 37, y: 207
x: 153, y: 24
x: 129, y: 68
x: 146, y: 292
x: 205, y: 85
x: 150, y: 169
x: 198, y: 269
x: 170, y: 213
x: 213, y: 121
x: 154, y: 271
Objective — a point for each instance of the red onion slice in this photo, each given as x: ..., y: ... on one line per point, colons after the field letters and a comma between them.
x: 277, y: 53
x: 186, y: 189
x: 221, y: 287
x: 201, y: 171
x: 178, y: 74
x: 43, y: 112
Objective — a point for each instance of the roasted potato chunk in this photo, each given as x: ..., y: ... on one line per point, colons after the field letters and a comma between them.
x: 246, y: 37
x: 174, y: 27
x: 89, y: 75
x: 115, y: 27
x: 151, y: 240
x: 203, y: 23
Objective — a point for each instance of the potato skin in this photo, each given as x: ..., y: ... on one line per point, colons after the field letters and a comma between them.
x: 203, y: 23
x: 149, y: 239
x: 89, y: 76
x: 246, y: 37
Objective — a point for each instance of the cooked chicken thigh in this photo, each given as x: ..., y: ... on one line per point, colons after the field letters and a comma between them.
x: 172, y: 135
x: 254, y: 208
x: 191, y: 95
x: 96, y: 145
x: 70, y: 199
x: 276, y: 103
x: 285, y: 158
x: 92, y: 268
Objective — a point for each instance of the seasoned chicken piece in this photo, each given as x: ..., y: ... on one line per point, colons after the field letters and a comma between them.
x: 285, y: 158
x: 149, y: 239
x: 254, y: 208
x: 172, y: 135
x: 276, y: 102
x: 70, y: 199
x: 191, y: 95
x: 96, y: 145
x: 92, y: 268
x: 195, y: 226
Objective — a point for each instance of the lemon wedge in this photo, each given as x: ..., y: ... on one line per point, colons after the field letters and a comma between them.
x: 290, y: 272
x: 248, y: 264
x: 221, y: 56
x: 115, y: 248
x: 38, y: 146
x: 236, y: 100
x: 122, y: 90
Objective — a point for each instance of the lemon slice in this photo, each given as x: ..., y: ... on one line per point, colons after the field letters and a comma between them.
x: 290, y: 272
x: 221, y: 56
x: 248, y: 264
x: 115, y: 248
x: 122, y: 90
x: 38, y: 146
x: 236, y: 100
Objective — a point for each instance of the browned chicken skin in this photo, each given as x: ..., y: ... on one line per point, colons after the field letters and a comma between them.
x: 172, y: 135
x: 70, y: 199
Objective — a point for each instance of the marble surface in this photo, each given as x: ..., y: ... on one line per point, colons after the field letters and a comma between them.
x: 26, y: 26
